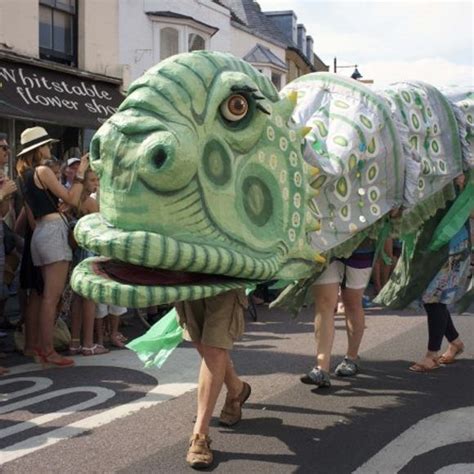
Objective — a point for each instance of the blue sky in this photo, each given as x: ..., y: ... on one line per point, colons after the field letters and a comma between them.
x: 427, y: 40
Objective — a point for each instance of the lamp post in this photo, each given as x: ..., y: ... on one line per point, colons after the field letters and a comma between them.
x: 355, y: 75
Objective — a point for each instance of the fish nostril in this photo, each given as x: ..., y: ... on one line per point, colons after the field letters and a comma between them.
x: 160, y: 158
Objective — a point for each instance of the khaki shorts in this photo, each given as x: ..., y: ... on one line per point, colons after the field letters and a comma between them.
x: 216, y: 321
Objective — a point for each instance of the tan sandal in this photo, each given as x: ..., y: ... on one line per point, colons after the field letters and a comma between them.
x: 199, y: 453
x: 419, y: 367
x: 450, y: 359
x: 232, y: 410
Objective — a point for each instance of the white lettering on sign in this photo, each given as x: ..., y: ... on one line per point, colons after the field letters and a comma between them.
x: 34, y: 88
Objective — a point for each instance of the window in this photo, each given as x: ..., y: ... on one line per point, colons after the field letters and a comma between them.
x: 170, y: 45
x: 276, y: 79
x: 58, y: 31
x: 175, y: 35
x: 169, y: 41
x: 196, y: 42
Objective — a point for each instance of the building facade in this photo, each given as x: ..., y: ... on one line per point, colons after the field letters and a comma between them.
x: 178, y: 27
x: 59, y: 69
x: 239, y: 27
x: 64, y: 64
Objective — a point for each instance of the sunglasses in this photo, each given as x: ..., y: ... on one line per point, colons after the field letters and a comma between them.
x: 5, y: 147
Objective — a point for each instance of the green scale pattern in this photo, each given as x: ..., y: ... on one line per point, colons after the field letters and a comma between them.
x: 204, y: 169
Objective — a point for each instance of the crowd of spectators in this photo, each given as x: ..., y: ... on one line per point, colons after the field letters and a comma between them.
x: 37, y: 209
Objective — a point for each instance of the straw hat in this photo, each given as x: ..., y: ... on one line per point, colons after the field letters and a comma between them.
x: 34, y: 137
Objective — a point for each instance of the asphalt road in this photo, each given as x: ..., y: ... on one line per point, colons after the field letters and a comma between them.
x: 109, y: 415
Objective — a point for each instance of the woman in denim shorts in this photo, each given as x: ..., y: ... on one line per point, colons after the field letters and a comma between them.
x: 50, y: 250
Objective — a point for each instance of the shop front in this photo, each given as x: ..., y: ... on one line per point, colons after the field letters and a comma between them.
x: 70, y: 104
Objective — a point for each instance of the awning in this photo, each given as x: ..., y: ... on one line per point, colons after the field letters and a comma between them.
x: 35, y: 93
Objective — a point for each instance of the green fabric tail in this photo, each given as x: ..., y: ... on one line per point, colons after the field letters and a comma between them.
x: 456, y: 217
x: 156, y: 345
x: 380, y: 242
x: 415, y: 269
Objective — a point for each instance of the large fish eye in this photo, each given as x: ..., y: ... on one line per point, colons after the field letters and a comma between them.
x: 235, y: 108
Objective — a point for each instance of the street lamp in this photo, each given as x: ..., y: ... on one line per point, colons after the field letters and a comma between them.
x: 355, y: 75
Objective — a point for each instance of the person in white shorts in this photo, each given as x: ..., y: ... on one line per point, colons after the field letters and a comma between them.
x: 351, y: 276
x: 117, y: 339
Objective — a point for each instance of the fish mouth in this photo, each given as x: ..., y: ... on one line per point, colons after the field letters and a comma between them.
x: 156, y: 251
x: 138, y: 269
x: 111, y: 282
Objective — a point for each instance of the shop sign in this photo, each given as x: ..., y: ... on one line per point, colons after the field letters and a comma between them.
x: 35, y: 93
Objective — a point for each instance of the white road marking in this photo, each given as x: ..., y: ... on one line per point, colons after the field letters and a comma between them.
x: 441, y: 429
x: 456, y: 469
x: 101, y: 395
x: 39, y: 383
x: 176, y: 377
x: 155, y: 396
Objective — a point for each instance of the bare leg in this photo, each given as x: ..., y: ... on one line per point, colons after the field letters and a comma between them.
x: 231, y: 380
x: 429, y: 360
x: 325, y: 300
x: 99, y: 330
x: 115, y: 336
x: 88, y: 317
x: 454, y: 347
x: 355, y: 320
x: 211, y: 378
x: 54, y: 276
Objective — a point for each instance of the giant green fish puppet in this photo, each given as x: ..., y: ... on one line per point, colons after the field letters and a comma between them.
x: 212, y: 180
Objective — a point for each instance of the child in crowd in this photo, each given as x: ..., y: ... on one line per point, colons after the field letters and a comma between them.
x: 108, y: 316
x: 82, y: 310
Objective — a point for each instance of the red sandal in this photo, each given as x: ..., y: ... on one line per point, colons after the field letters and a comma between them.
x: 61, y: 362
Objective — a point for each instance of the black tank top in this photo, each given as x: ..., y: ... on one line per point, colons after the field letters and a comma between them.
x: 39, y: 202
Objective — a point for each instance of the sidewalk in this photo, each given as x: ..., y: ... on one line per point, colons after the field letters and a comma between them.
x: 131, y: 327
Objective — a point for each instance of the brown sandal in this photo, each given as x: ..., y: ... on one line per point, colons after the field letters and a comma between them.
x: 450, y: 359
x: 232, y: 410
x: 418, y: 367
x: 199, y: 453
